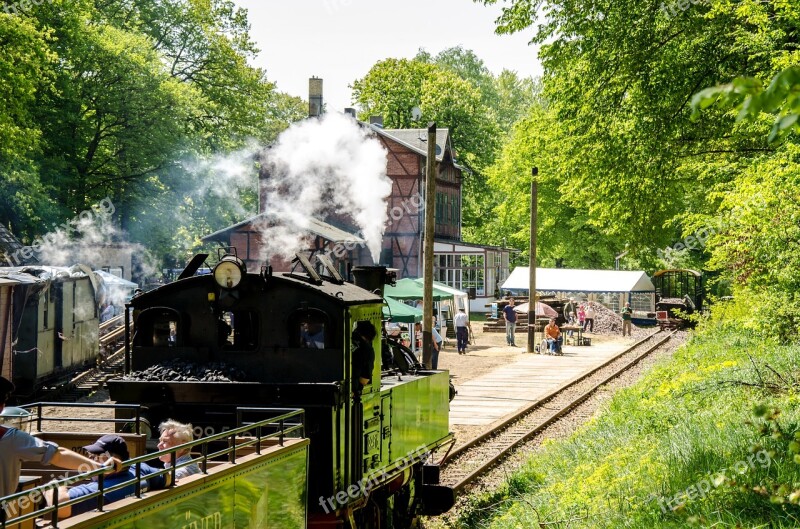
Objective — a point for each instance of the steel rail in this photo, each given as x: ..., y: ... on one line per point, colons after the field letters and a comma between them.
x: 519, y: 438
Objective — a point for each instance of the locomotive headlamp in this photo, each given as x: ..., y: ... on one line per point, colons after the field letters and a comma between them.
x: 229, y: 272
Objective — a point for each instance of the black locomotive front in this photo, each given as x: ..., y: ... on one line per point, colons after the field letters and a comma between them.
x: 204, y: 345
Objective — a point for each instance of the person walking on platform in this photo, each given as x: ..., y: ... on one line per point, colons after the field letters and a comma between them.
x: 461, y: 321
x: 589, y: 326
x: 511, y: 322
x: 627, y: 314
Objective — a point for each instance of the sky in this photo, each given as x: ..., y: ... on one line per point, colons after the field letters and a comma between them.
x: 340, y: 40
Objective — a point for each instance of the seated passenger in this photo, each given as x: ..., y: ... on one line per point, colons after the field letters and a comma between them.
x: 104, y: 448
x: 174, y: 434
x: 553, y: 335
x: 312, y: 336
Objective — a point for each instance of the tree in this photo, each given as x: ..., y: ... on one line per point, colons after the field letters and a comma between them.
x: 751, y: 99
x: 25, y: 60
x: 394, y: 86
x: 120, y: 97
x: 619, y: 79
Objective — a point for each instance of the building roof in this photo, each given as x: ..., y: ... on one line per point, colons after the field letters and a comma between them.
x: 417, y: 139
x: 10, y: 249
x: 314, y: 225
x: 578, y: 280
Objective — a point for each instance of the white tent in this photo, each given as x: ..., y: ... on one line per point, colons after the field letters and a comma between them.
x: 460, y: 298
x: 605, y: 286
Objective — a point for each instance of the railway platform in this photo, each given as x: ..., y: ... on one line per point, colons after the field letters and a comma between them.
x: 526, y: 378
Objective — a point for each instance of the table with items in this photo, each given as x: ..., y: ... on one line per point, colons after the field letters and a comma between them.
x: 575, y: 339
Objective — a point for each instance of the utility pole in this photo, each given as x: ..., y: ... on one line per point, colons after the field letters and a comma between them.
x: 532, y: 264
x: 427, y: 253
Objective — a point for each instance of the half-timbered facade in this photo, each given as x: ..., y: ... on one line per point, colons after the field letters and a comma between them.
x: 474, y: 268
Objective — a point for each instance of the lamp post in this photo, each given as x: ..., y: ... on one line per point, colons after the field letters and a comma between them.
x: 532, y: 265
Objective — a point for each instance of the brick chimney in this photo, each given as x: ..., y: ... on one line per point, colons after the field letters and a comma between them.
x: 315, y: 108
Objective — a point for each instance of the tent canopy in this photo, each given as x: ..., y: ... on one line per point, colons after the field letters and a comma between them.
x: 573, y: 280
x: 400, y: 312
x: 410, y: 289
x: 460, y: 298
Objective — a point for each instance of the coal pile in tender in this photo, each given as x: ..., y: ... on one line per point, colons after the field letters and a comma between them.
x: 182, y: 371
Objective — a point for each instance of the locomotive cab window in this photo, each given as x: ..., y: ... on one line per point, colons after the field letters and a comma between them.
x: 309, y: 329
x: 238, y: 330
x: 159, y: 327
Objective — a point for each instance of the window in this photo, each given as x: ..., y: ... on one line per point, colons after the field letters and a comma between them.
x: 461, y: 271
x: 238, y: 330
x: 309, y: 329
x: 158, y: 327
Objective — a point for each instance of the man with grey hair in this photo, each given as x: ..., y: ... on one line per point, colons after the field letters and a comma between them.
x: 174, y: 433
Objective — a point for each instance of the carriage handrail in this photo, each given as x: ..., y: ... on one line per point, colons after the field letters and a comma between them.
x: 38, y: 417
x: 284, y: 428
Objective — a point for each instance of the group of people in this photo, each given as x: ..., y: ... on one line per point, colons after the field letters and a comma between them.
x: 583, y: 314
x: 580, y: 314
x: 461, y: 324
x: 108, y: 453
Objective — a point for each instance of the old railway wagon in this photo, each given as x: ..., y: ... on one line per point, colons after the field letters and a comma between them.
x: 48, y: 323
x: 286, y: 338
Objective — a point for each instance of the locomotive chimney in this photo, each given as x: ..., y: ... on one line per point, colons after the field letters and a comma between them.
x: 263, y: 179
x: 315, y: 109
x: 350, y: 112
x: 373, y: 278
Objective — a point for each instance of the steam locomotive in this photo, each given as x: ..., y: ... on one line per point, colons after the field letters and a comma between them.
x: 287, y: 340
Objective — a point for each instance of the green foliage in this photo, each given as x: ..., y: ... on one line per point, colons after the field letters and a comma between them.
x: 25, y: 60
x: 117, y: 99
x: 747, y: 94
x: 619, y: 79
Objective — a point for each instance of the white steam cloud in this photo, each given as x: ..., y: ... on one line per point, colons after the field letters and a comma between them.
x: 322, y: 167
x: 224, y: 176
x: 83, y: 238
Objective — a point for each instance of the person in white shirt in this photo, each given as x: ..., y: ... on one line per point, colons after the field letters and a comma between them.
x: 461, y: 321
x: 436, y: 345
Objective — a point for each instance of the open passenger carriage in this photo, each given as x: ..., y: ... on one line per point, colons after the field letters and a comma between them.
x: 253, y: 474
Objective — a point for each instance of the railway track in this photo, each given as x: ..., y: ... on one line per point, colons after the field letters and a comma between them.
x: 110, y: 362
x: 471, y: 460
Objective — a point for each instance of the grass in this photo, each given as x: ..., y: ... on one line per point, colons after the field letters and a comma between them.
x: 682, y: 447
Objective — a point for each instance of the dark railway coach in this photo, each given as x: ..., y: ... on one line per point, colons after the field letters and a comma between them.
x: 202, y: 346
